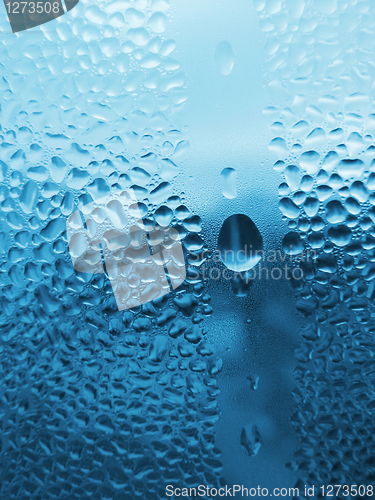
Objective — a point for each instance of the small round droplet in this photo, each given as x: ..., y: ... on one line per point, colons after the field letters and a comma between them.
x: 224, y: 57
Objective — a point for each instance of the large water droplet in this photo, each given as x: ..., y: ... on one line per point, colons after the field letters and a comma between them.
x: 240, y: 243
x: 224, y: 57
x: 228, y: 179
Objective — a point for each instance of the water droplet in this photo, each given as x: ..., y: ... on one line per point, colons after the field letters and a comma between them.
x: 330, y: 161
x: 316, y: 138
x: 279, y: 147
x: 339, y: 235
x: 310, y: 161
x: 307, y: 183
x: 181, y: 151
x: 289, y: 208
x: 292, y: 243
x: 163, y: 216
x: 358, y: 190
x: 228, y: 179
x: 335, y: 212
x: 293, y: 176
x: 352, y: 206
x: 240, y: 243
x: 224, y: 57
x: 29, y: 196
x: 77, y: 178
x: 254, y: 380
x: 250, y: 439
x: 311, y: 206
x: 350, y: 168
x: 158, y: 348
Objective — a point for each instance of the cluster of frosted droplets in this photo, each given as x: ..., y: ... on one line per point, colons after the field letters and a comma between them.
x: 320, y: 73
x: 96, y: 403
